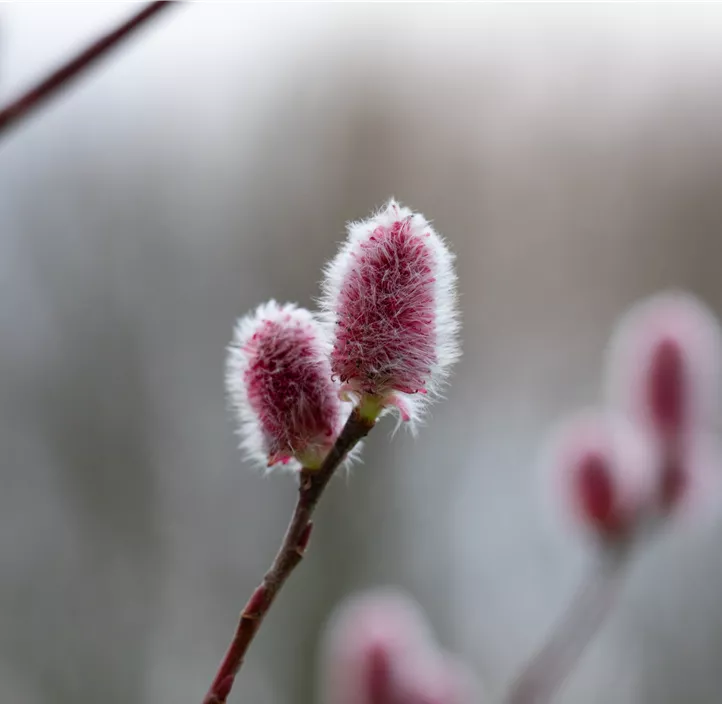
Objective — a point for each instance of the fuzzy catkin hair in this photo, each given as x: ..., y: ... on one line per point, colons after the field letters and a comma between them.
x: 390, y: 299
x: 279, y: 382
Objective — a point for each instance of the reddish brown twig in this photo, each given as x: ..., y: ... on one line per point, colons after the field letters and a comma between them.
x: 21, y: 107
x: 312, y: 485
x: 546, y: 672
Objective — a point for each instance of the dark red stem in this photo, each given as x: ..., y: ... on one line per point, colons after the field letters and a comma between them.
x: 311, y: 487
x: 19, y: 108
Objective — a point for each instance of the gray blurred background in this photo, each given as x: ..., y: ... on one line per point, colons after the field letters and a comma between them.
x: 571, y: 154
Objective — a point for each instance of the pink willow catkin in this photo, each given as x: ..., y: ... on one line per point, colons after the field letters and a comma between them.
x: 283, y: 380
x: 279, y: 381
x: 390, y: 298
x: 626, y: 469
x: 378, y: 649
x: 649, y: 450
x: 605, y: 472
x: 664, y: 375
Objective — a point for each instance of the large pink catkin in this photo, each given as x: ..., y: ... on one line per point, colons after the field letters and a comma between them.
x: 378, y: 650
x: 390, y: 296
x: 279, y: 381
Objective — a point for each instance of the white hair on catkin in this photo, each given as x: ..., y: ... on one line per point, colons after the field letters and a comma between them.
x: 301, y: 353
x: 395, y: 348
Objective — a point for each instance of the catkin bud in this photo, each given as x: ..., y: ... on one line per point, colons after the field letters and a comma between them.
x: 664, y: 373
x: 605, y: 471
x: 390, y: 296
x: 664, y: 366
x: 279, y: 381
x: 378, y: 650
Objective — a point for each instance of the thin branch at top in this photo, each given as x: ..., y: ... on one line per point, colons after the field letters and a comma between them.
x: 16, y: 110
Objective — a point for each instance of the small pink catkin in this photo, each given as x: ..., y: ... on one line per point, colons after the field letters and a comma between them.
x: 604, y: 470
x: 664, y: 364
x: 279, y: 381
x: 664, y: 373
x: 390, y: 298
x: 378, y: 650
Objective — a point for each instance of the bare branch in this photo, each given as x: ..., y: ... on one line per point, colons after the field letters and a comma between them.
x: 61, y: 77
x: 312, y: 485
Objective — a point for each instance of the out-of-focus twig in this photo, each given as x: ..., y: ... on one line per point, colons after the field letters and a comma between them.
x: 546, y: 672
x: 312, y: 485
x: 16, y: 110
